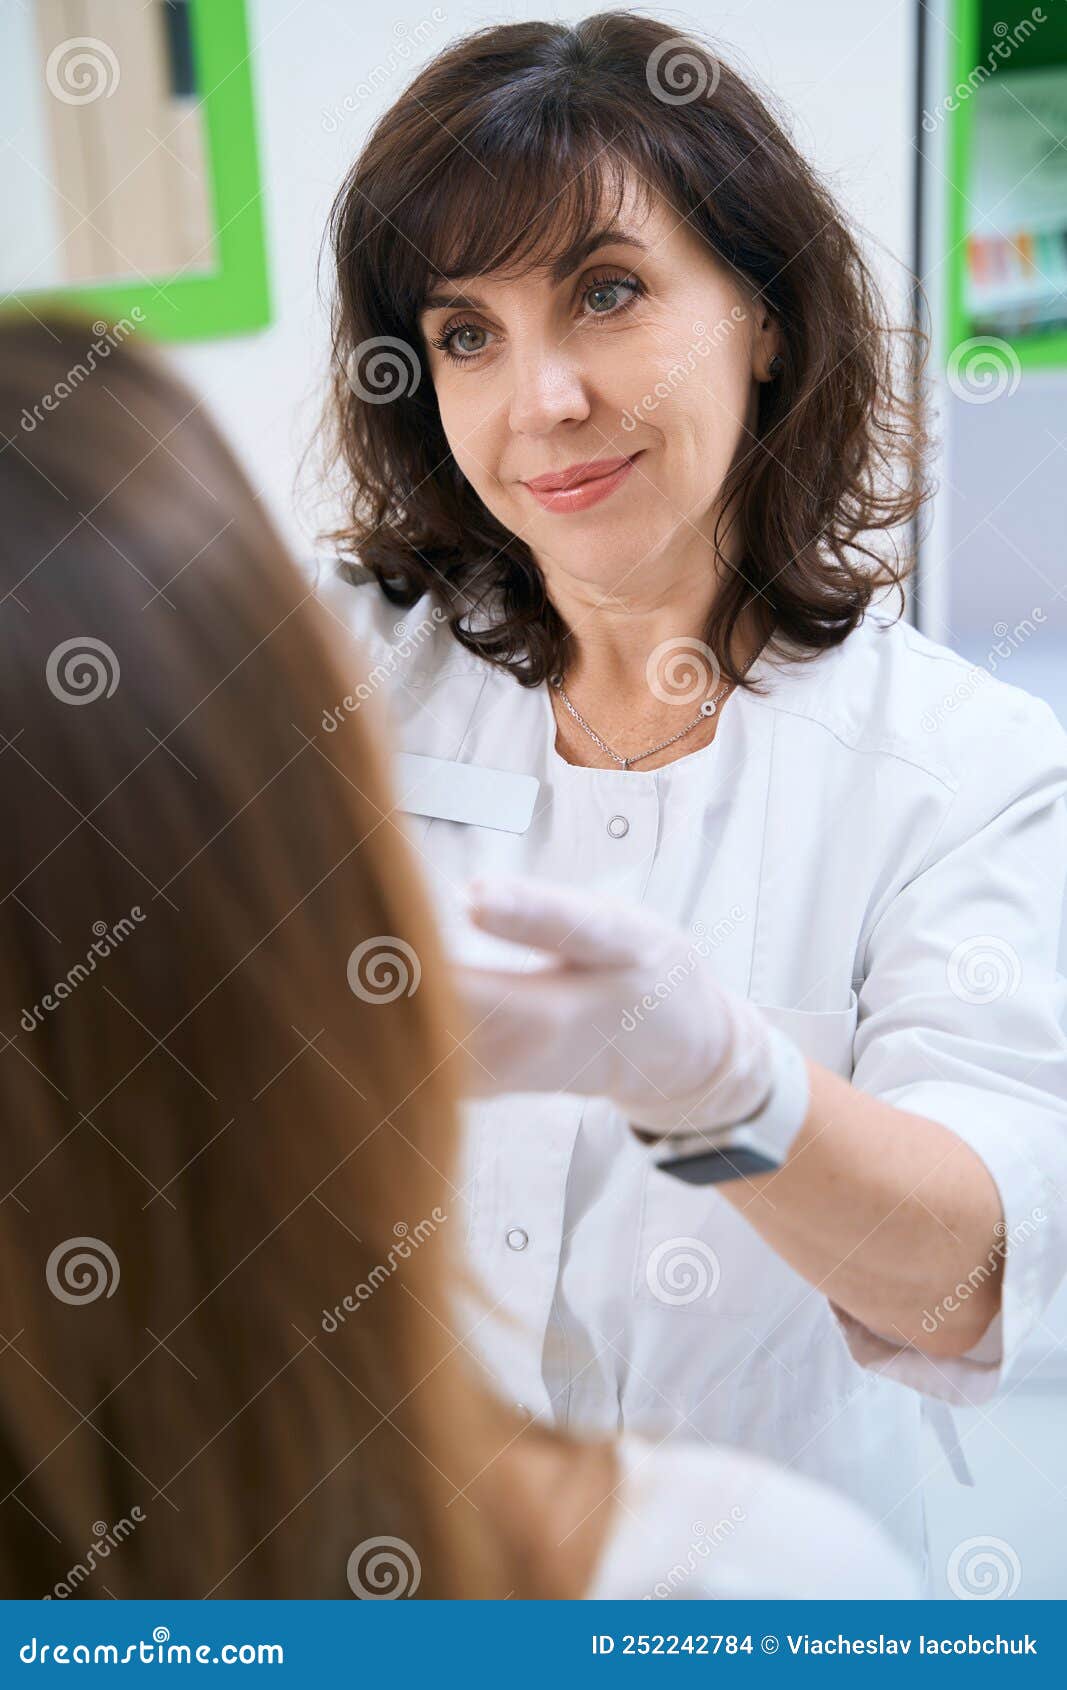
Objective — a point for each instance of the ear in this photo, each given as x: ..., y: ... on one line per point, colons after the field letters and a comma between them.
x: 768, y: 343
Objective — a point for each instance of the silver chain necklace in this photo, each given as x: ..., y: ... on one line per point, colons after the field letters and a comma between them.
x: 708, y: 708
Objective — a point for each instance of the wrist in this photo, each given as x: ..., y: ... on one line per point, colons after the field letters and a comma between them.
x: 758, y: 1141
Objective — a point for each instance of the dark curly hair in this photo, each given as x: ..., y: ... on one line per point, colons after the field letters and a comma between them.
x: 552, y: 118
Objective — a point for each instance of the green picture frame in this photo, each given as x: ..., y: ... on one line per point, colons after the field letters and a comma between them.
x: 233, y: 298
x: 976, y: 25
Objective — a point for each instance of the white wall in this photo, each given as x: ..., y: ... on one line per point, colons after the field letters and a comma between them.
x: 845, y: 71
x: 28, y: 215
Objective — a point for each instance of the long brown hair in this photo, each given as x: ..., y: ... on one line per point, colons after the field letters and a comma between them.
x: 229, y: 1237
x: 538, y: 125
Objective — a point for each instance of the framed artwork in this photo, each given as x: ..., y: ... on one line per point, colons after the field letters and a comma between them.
x: 131, y: 181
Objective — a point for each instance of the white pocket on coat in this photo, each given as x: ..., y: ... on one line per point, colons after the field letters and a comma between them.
x: 826, y: 1035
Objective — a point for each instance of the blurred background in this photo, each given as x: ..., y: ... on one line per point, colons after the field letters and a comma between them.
x: 172, y: 163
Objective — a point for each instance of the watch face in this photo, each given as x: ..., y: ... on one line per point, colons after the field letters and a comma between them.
x: 711, y: 1167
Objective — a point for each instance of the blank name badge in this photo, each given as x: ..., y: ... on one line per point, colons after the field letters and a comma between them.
x: 464, y: 792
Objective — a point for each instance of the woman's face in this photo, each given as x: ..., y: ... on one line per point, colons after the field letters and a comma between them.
x: 645, y: 355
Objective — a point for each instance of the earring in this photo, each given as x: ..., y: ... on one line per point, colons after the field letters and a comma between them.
x: 776, y: 365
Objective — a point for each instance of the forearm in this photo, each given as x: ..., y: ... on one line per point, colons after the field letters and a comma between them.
x: 884, y: 1212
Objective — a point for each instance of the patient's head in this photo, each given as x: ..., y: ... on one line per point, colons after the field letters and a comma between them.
x: 230, y: 1228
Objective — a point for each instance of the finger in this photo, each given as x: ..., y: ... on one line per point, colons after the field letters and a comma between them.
x: 584, y: 932
x: 490, y: 986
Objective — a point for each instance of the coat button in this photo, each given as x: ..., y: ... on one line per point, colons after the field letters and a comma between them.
x: 618, y: 827
x: 517, y: 1238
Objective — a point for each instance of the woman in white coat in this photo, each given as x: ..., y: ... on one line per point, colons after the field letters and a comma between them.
x: 616, y: 446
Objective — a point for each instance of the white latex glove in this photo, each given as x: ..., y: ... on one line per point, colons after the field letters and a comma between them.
x: 627, y: 1008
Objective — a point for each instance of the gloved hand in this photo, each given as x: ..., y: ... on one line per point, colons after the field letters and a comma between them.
x: 628, y: 1009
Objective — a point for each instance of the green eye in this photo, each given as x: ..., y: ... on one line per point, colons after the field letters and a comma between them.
x: 464, y: 329
x: 607, y: 288
x: 446, y: 342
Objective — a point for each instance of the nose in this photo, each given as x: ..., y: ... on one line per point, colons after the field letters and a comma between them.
x: 549, y: 387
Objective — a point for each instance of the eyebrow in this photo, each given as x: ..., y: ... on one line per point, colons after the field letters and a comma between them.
x: 562, y: 267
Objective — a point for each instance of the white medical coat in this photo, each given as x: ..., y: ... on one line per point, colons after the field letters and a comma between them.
x: 875, y: 853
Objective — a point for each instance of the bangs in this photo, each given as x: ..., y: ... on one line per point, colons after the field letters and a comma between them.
x: 491, y: 211
x: 514, y: 150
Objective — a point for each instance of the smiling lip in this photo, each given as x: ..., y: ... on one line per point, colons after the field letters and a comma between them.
x: 581, y: 484
x: 574, y: 474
